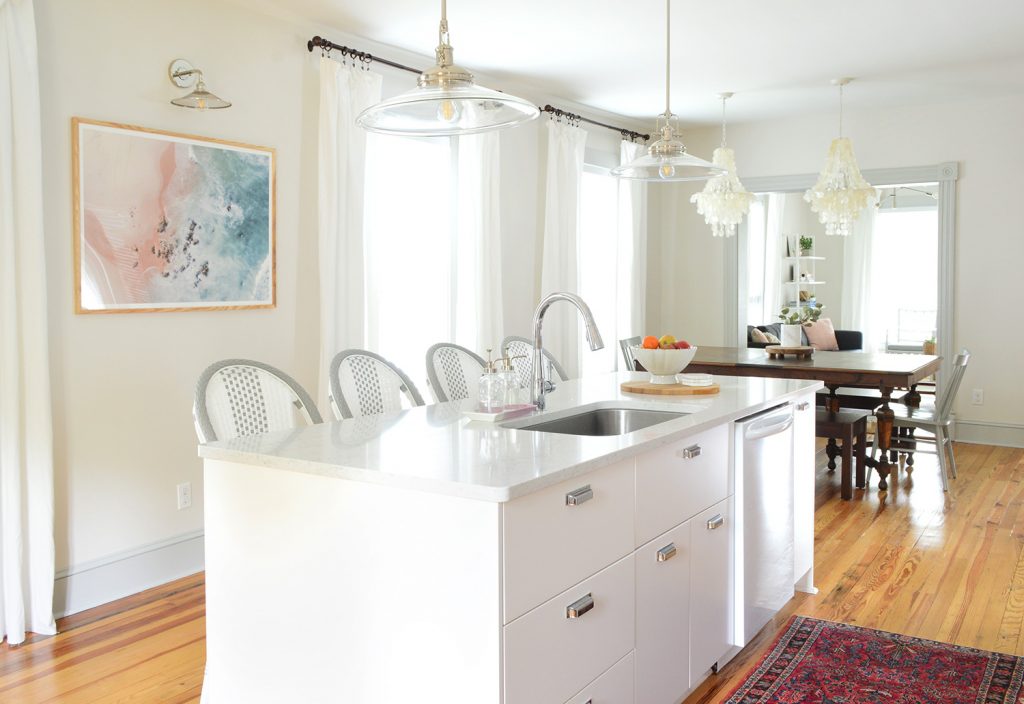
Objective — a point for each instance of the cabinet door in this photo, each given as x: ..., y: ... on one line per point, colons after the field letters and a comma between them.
x: 613, y: 687
x: 663, y: 618
x: 711, y: 587
x: 803, y: 491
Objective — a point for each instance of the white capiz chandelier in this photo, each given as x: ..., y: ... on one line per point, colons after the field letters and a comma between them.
x: 841, y: 193
x: 724, y: 201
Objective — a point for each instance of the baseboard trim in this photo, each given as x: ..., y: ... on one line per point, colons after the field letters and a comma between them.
x: 989, y: 433
x: 90, y: 584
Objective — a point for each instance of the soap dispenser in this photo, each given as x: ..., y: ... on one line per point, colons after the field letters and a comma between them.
x: 491, y: 389
x: 515, y: 393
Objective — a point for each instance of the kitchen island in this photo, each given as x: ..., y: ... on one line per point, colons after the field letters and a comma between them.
x: 426, y: 557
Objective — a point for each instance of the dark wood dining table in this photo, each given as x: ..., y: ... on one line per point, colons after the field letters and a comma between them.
x: 874, y: 370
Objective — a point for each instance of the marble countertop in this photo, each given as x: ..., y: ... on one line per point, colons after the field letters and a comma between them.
x: 435, y: 448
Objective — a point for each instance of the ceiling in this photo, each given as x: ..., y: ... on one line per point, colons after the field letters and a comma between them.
x: 777, y: 57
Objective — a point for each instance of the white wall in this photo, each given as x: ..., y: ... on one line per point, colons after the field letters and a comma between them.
x: 123, y: 383
x: 984, y: 136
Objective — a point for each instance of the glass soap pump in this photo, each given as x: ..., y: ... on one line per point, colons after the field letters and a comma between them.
x: 491, y: 389
x: 515, y: 394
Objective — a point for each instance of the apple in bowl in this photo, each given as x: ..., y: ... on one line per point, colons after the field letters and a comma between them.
x: 664, y: 363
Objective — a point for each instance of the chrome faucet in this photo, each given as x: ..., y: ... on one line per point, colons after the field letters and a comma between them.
x: 541, y: 384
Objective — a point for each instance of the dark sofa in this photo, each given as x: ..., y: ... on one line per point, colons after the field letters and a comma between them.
x: 847, y: 339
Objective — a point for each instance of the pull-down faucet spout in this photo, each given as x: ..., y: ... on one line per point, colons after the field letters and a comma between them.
x: 542, y: 385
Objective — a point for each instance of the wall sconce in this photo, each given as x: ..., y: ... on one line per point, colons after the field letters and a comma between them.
x: 183, y: 75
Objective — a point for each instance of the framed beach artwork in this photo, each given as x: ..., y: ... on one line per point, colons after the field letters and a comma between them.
x: 170, y: 222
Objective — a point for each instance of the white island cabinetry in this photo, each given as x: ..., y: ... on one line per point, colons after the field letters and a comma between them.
x: 554, y: 570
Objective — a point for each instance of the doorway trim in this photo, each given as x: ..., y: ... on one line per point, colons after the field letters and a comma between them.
x: 945, y: 174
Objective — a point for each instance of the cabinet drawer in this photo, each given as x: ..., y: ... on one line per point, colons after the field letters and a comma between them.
x: 549, y: 656
x: 613, y: 687
x: 563, y: 534
x: 676, y: 481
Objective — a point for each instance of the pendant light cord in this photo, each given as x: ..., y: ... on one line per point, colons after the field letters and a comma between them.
x: 668, y: 57
x: 840, y: 110
x: 442, y: 31
x: 724, y: 98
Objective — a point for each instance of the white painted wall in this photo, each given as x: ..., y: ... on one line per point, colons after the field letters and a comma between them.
x: 123, y: 383
x: 984, y: 136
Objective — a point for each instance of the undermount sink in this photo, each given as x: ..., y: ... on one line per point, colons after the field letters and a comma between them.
x: 603, y: 421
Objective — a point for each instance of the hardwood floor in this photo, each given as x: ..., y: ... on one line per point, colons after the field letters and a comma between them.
x: 918, y: 562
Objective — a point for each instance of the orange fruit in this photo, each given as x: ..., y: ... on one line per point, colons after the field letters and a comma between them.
x: 650, y: 343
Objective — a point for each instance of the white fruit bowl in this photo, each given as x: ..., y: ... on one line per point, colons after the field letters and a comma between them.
x: 664, y: 364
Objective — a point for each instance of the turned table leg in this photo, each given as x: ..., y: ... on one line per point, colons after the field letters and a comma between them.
x: 884, y: 417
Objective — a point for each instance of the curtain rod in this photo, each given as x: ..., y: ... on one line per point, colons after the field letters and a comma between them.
x: 327, y: 46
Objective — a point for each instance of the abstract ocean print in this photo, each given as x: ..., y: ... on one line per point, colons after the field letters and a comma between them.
x: 172, y: 222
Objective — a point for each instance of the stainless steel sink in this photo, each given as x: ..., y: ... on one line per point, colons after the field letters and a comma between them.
x: 603, y: 421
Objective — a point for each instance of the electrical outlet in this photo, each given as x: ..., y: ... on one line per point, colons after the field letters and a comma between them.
x: 978, y: 397
x: 184, y: 495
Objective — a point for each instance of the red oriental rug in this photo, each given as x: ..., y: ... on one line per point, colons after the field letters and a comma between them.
x: 821, y: 662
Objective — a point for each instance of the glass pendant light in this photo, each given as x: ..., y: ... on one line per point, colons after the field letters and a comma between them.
x: 666, y: 159
x: 446, y: 101
x: 841, y: 192
x: 724, y: 201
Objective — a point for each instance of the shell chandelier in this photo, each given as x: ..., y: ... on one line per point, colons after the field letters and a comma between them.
x: 724, y: 201
x: 841, y: 193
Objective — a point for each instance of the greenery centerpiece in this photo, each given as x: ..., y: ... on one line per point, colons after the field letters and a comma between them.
x: 806, y: 244
x: 801, y: 315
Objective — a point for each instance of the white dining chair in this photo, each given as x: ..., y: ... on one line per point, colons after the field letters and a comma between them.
x: 363, y: 383
x: 626, y: 345
x: 453, y: 372
x: 520, y: 351
x: 238, y: 397
x: 933, y: 418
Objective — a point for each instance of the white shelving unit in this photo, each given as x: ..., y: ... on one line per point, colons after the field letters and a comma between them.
x: 792, y: 286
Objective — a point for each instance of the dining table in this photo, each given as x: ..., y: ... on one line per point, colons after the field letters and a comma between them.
x: 882, y: 371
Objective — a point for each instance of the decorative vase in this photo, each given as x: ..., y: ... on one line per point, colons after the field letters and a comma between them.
x: 790, y: 336
x: 928, y: 347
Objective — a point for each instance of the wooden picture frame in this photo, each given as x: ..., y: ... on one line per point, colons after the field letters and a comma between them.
x: 171, y: 222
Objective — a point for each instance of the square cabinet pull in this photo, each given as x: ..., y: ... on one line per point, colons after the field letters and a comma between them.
x: 579, y: 607
x: 579, y: 496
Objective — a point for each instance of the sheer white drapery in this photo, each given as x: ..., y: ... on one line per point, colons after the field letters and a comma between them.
x: 477, y: 298
x: 344, y: 93
x: 560, y: 258
x: 860, y: 298
x: 632, y: 246
x: 773, y: 249
x: 26, y: 434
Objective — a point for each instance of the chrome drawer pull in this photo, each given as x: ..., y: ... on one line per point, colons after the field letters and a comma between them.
x: 667, y: 552
x: 690, y: 452
x: 803, y: 406
x: 716, y: 521
x: 580, y: 496
x: 580, y: 607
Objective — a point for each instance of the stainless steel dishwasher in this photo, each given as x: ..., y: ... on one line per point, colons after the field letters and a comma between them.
x: 764, y: 494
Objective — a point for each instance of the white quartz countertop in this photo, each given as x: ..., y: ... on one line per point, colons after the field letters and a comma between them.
x: 436, y: 448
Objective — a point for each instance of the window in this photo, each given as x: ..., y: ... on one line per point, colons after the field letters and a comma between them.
x: 908, y: 235
x: 604, y: 267
x: 409, y: 232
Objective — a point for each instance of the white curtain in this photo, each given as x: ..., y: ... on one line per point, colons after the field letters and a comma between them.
x: 860, y: 292
x: 632, y: 249
x: 477, y: 300
x: 344, y: 93
x: 560, y: 259
x: 26, y: 436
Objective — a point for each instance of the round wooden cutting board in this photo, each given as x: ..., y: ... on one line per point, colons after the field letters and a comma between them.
x: 646, y: 387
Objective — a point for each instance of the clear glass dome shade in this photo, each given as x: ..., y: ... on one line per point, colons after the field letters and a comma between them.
x: 433, y: 110
x: 201, y: 99
x: 667, y: 162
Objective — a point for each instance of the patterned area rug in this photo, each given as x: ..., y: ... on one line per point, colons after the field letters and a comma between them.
x: 827, y: 663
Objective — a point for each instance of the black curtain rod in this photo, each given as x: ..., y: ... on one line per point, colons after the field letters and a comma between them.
x: 328, y: 46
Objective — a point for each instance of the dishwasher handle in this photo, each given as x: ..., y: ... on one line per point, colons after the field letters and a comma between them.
x: 769, y: 425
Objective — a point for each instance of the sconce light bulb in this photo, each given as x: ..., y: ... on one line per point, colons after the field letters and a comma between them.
x: 666, y: 171
x: 448, y: 111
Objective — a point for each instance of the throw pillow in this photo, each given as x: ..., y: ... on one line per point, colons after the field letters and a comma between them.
x: 772, y: 340
x: 821, y: 335
x: 758, y: 336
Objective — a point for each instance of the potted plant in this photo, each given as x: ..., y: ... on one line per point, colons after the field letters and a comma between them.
x: 793, y: 318
x: 928, y: 346
x: 806, y: 245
